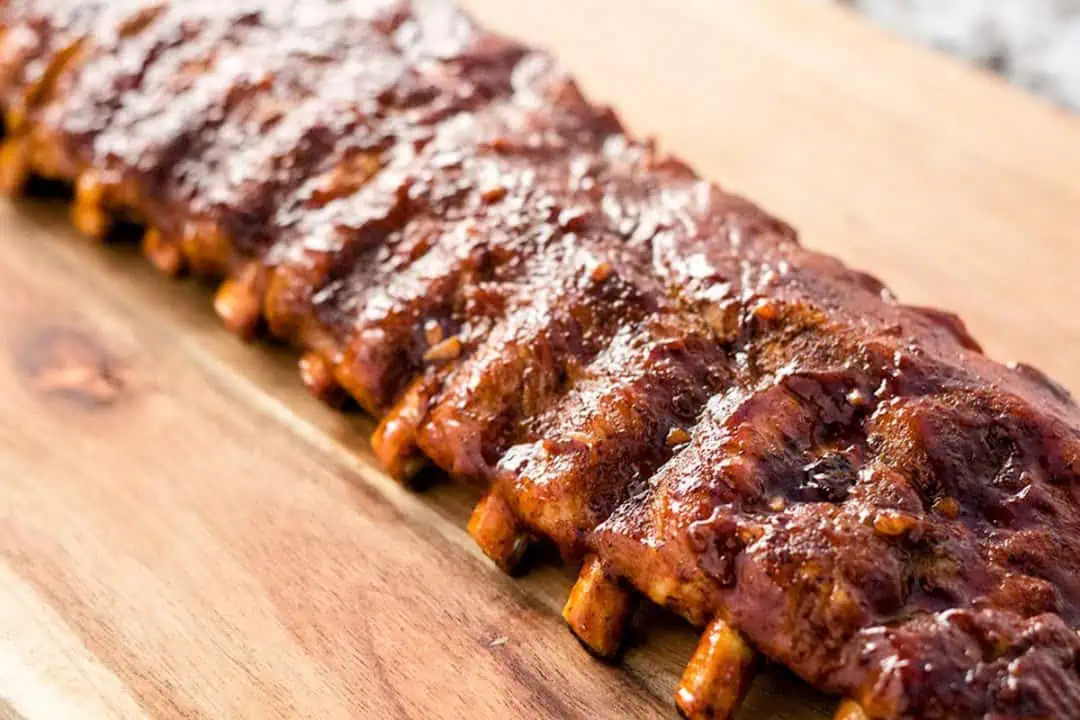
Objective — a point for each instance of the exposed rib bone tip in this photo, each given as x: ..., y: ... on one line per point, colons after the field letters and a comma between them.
x: 14, y: 165
x: 599, y: 609
x: 239, y: 303
x: 88, y: 213
x: 284, y: 294
x: 318, y: 376
x: 166, y: 255
x: 15, y: 119
x: 718, y: 676
x: 394, y: 441
x: 495, y: 529
x: 206, y: 248
x: 851, y: 710
x: 394, y: 445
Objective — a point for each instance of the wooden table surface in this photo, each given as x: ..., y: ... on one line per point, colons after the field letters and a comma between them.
x: 184, y: 533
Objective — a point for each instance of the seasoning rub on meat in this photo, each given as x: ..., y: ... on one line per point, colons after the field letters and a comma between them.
x: 645, y: 370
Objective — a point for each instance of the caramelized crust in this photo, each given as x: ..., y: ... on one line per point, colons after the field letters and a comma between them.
x: 635, y: 365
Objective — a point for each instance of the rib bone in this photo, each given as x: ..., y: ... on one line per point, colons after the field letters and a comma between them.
x: 718, y: 676
x: 850, y: 710
x: 495, y: 530
x: 238, y: 301
x: 165, y: 253
x: 599, y: 608
x: 14, y: 165
x: 89, y: 214
x: 317, y: 374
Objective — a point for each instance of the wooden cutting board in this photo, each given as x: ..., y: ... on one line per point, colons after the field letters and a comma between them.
x: 183, y: 532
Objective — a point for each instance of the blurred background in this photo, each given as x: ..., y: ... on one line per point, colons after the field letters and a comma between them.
x: 1035, y: 43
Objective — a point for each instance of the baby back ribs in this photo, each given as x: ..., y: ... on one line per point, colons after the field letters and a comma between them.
x: 645, y: 370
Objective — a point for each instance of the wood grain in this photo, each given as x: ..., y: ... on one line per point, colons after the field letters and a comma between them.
x: 183, y: 532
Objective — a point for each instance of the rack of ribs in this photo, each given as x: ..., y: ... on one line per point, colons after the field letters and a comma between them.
x: 629, y: 362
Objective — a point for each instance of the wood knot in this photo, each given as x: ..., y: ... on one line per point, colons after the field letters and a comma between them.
x: 69, y: 364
